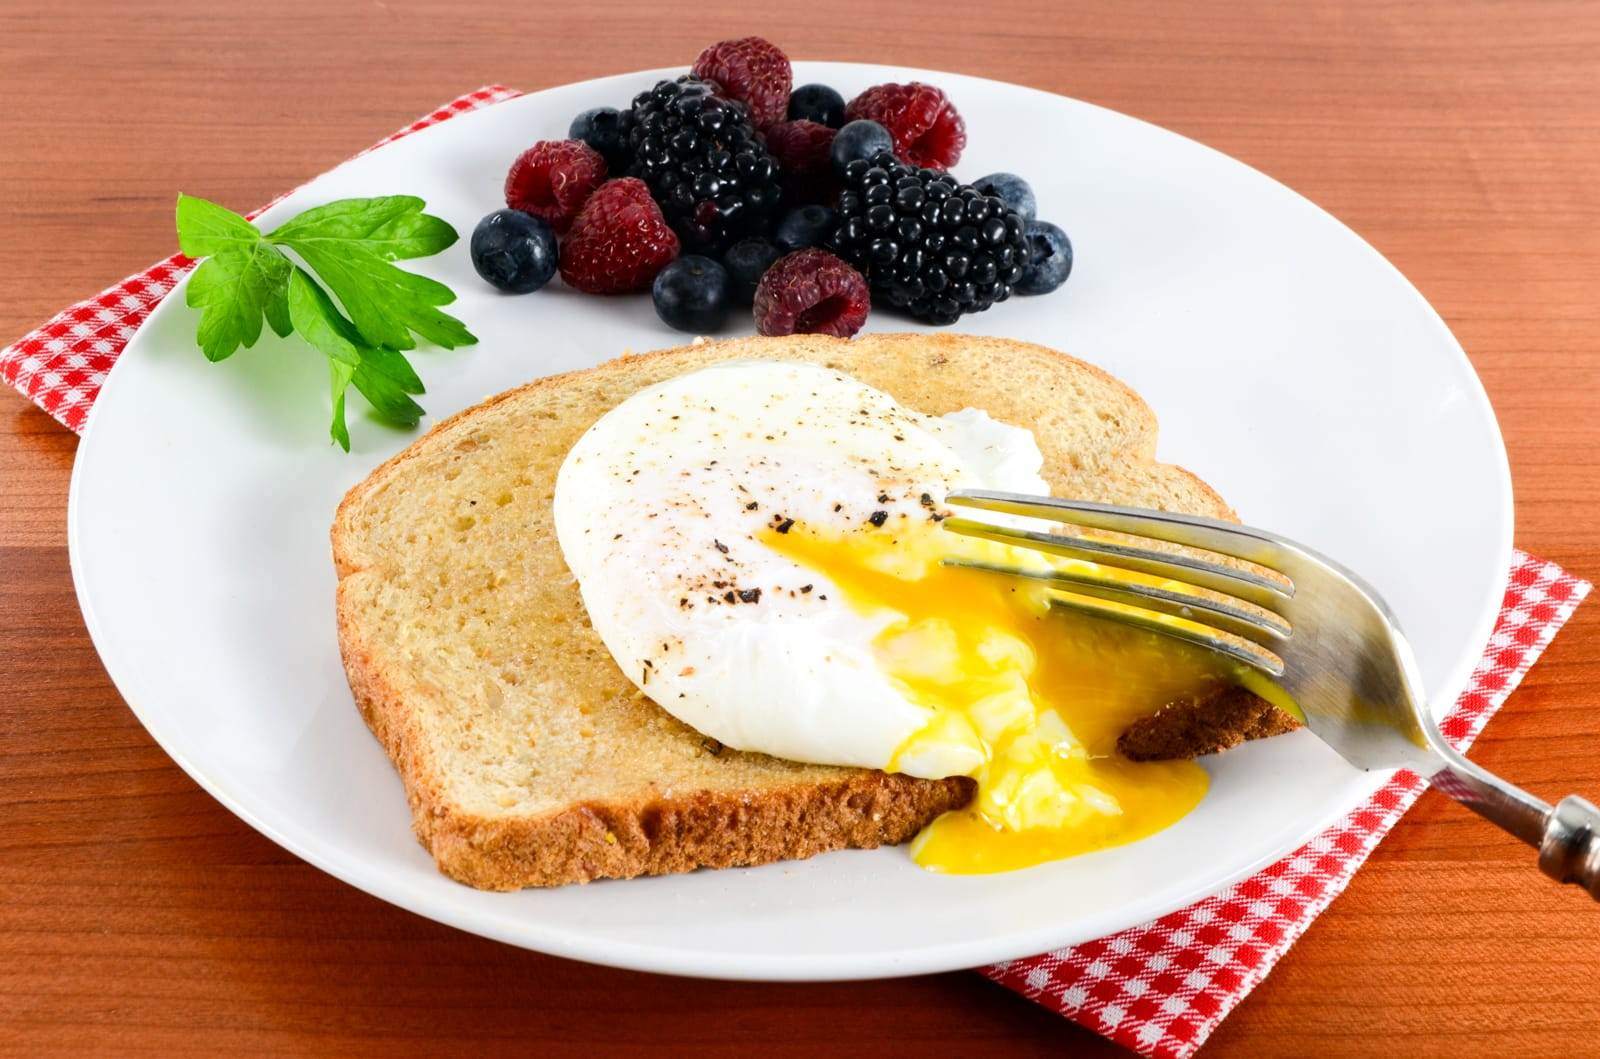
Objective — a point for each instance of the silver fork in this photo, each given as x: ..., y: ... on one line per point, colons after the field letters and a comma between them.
x: 1316, y: 629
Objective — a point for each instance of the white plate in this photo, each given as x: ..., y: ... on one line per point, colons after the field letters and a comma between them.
x: 1289, y: 364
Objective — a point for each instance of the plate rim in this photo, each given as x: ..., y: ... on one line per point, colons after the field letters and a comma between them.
x: 766, y: 967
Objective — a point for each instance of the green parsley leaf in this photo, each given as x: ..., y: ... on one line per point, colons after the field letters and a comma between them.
x: 393, y: 227
x: 385, y: 303
x: 393, y: 365
x: 386, y: 396
x: 350, y: 245
x: 320, y: 323
x: 347, y: 248
x: 396, y: 367
x: 277, y: 310
x: 232, y: 290
x: 204, y: 228
x: 339, y: 375
x: 382, y: 376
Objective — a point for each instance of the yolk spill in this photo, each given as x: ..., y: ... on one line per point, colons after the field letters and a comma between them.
x: 1027, y: 699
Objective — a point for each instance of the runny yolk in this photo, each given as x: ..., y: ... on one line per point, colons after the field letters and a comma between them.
x: 1027, y: 698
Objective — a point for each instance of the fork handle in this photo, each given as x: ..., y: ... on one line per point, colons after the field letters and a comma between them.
x: 1570, y: 849
x: 1567, y: 835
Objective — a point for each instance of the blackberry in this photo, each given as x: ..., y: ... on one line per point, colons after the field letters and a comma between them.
x: 704, y: 162
x: 928, y: 246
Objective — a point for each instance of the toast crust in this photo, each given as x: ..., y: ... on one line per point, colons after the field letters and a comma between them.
x: 1208, y: 725
x: 678, y: 831
x: 862, y: 809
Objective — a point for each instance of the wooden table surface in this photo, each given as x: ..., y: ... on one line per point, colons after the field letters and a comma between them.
x: 137, y: 915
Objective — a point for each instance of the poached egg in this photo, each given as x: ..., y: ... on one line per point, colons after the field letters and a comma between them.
x: 758, y: 544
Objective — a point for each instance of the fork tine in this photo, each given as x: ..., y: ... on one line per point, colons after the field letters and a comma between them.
x: 1227, y: 613
x: 1246, y: 584
x: 1246, y: 651
x: 1224, y: 538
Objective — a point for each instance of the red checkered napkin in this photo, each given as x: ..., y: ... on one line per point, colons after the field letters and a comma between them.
x: 1159, y: 988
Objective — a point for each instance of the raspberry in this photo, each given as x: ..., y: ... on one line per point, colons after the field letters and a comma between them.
x: 927, y: 130
x: 804, y: 169
x: 552, y: 179
x: 618, y: 242
x: 751, y: 71
x: 811, y: 292
x: 800, y: 145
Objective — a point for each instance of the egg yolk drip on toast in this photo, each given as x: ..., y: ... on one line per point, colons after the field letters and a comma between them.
x: 1030, y: 697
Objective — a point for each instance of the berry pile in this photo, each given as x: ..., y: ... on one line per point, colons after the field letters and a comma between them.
x: 730, y: 186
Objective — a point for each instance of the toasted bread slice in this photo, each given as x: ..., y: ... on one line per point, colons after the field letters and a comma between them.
x: 528, y: 758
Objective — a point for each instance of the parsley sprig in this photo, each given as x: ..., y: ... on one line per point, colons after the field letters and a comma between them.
x: 345, y: 251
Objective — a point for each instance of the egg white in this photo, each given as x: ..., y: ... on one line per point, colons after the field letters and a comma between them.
x: 659, y: 511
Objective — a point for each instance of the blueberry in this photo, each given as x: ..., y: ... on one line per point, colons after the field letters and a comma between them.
x: 1012, y: 190
x: 817, y: 103
x: 514, y: 251
x: 1049, y: 259
x: 803, y: 227
x: 747, y: 261
x: 859, y: 139
x: 606, y: 130
x: 693, y: 294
